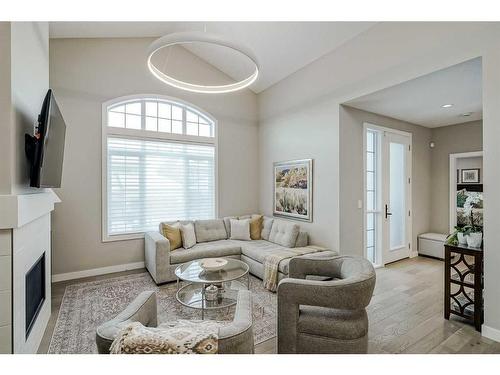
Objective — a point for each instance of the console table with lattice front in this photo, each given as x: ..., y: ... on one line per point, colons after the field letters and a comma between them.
x: 463, y: 283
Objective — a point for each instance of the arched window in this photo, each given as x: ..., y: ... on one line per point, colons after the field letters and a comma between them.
x: 159, y: 164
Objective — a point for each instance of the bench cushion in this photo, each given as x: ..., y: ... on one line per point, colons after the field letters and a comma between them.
x: 210, y: 230
x: 212, y: 249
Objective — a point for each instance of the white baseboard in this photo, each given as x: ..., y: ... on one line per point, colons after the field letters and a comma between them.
x: 490, y: 333
x: 96, y: 271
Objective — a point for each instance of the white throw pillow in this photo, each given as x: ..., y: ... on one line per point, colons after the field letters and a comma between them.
x: 240, y: 229
x: 188, y: 236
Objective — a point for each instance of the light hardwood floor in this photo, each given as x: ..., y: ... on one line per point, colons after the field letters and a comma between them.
x: 405, y: 314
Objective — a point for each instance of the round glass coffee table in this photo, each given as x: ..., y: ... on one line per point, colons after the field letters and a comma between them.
x: 227, y: 281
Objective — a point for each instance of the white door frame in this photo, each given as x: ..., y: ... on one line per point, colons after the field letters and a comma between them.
x: 453, y: 182
x: 409, y: 235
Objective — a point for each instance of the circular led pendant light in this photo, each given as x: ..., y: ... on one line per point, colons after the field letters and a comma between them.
x: 187, y: 38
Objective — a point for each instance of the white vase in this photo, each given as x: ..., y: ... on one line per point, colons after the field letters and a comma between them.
x: 474, y: 239
x: 461, y: 238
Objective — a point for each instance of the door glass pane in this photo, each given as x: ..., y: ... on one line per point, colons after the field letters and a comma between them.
x: 370, y: 185
x: 397, y: 194
x: 370, y: 162
x: 371, y: 191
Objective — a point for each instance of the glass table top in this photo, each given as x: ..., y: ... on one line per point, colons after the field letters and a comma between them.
x: 193, y: 272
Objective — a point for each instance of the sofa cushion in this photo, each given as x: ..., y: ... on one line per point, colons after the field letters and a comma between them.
x: 212, y: 249
x: 284, y: 233
x: 240, y: 229
x: 188, y: 236
x: 173, y: 234
x: 267, y: 224
x: 256, y: 227
x: 210, y: 230
x: 302, y: 240
x: 258, y: 250
x: 183, y: 222
x: 227, y: 224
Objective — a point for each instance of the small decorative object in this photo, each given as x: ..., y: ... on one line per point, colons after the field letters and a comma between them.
x: 213, y: 264
x: 293, y: 189
x: 211, y: 292
x: 470, y: 176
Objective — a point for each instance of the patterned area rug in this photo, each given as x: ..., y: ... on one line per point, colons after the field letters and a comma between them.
x: 87, y: 305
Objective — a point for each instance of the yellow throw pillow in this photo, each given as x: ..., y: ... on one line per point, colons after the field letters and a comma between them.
x: 173, y: 235
x: 256, y: 226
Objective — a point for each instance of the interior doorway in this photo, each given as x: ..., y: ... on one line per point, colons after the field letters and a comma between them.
x: 466, y: 176
x: 387, y: 198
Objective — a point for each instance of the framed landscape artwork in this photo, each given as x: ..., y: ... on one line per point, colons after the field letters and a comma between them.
x: 293, y: 189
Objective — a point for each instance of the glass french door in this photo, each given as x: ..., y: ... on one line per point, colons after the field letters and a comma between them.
x: 396, y: 193
x: 387, y: 196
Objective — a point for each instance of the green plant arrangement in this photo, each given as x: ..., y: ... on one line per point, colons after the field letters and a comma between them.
x: 470, y: 233
x: 452, y: 238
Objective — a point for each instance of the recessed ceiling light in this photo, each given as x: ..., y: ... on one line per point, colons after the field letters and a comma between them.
x: 447, y: 106
x: 467, y: 114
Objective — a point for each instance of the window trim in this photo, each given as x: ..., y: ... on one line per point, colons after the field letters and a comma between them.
x: 149, y: 135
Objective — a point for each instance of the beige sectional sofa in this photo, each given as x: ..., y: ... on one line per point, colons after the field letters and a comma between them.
x: 213, y: 240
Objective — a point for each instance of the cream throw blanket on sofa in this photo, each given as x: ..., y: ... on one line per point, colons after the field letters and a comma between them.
x: 272, y: 262
x: 180, y: 337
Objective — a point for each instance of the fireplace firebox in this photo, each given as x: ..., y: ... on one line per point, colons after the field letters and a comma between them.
x: 35, y: 292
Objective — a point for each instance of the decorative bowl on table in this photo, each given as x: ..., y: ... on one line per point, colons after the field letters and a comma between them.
x: 213, y: 264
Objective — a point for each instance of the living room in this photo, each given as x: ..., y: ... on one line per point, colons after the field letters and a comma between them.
x: 208, y: 179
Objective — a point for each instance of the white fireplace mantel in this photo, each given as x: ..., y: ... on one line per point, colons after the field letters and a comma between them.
x: 24, y: 238
x: 18, y: 210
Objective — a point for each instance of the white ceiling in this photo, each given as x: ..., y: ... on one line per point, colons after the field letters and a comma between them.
x: 281, y: 48
x: 420, y: 100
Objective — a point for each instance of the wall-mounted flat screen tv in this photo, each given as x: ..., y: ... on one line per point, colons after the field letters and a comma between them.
x: 45, y: 150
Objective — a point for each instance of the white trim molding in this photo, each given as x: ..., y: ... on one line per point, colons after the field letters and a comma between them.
x: 96, y: 271
x: 490, y: 333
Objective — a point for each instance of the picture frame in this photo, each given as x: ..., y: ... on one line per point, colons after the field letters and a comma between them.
x: 470, y: 176
x: 293, y: 189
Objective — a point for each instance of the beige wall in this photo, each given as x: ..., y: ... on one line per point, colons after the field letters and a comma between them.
x: 24, y: 81
x: 29, y: 84
x: 84, y: 73
x: 351, y: 172
x: 302, y: 135
x: 449, y: 140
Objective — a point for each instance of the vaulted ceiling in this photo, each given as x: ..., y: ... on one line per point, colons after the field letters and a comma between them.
x: 281, y: 48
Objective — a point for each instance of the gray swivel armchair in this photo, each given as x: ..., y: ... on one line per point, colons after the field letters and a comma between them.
x: 325, y: 316
x: 234, y: 338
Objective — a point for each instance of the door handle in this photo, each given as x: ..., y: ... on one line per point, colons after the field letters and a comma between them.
x: 387, y: 213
